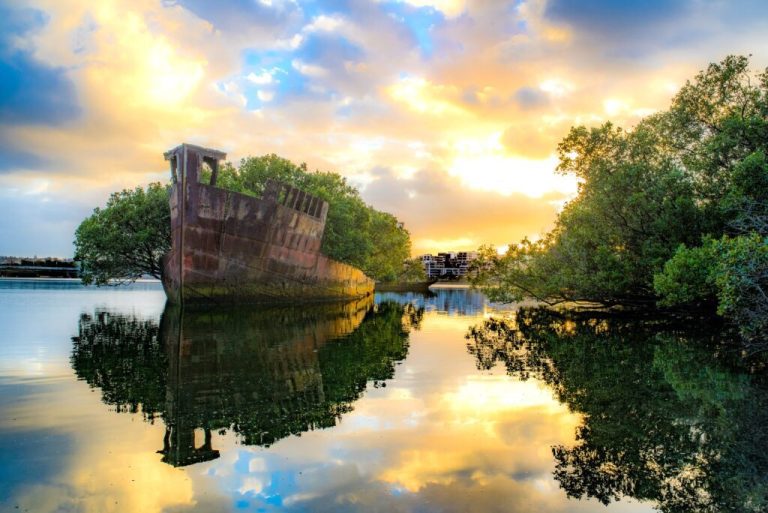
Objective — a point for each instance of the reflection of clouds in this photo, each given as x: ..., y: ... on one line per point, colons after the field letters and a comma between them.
x: 485, y: 427
x: 250, y: 485
x: 486, y: 395
x: 113, y: 469
x: 107, y: 462
x: 57, y: 413
x: 440, y: 436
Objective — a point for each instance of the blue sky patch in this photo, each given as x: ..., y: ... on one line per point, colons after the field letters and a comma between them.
x: 12, y: 158
x: 611, y: 17
x: 326, y: 50
x: 420, y: 22
x: 31, y: 92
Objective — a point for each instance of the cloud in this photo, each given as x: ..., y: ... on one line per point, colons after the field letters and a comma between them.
x: 262, y: 78
x: 534, y: 140
x: 441, y: 213
x: 248, y: 17
x: 329, y: 50
x: 426, y: 98
x: 265, y: 96
x: 476, y: 92
x: 31, y: 92
x: 530, y: 98
x: 609, y: 18
x: 324, y: 23
x: 640, y: 31
x: 450, y: 8
x: 12, y: 158
x: 308, y: 69
x: 39, y: 221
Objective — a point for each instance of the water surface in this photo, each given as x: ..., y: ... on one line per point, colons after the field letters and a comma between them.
x: 109, y: 401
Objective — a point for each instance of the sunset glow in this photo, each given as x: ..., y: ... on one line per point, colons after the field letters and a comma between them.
x: 446, y: 113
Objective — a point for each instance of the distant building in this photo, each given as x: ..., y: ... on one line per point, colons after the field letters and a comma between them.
x: 430, y: 266
x: 449, y: 265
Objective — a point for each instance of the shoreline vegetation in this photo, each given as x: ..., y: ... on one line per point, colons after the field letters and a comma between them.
x: 670, y: 215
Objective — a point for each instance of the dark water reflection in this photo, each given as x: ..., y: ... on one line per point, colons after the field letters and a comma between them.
x: 264, y: 373
x: 671, y: 413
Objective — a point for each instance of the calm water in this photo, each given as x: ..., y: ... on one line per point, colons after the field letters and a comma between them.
x: 109, y: 401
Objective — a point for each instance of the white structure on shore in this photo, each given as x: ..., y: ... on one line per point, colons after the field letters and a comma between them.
x: 448, y: 266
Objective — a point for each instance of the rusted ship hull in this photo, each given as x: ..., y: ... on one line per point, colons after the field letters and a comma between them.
x: 228, y: 247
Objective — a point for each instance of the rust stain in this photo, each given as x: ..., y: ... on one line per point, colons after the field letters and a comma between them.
x: 227, y: 247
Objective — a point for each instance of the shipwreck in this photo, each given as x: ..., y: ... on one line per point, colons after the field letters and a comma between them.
x: 228, y: 247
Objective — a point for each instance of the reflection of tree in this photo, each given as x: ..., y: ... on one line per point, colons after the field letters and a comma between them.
x: 124, y: 356
x: 669, y: 415
x: 266, y: 374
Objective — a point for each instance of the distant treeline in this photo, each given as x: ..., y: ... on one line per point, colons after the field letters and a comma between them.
x: 14, y: 267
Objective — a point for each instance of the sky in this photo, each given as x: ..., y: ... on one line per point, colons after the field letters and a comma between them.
x: 445, y: 113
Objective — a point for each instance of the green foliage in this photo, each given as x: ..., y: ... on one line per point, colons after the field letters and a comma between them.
x: 348, y: 236
x: 734, y: 270
x: 665, y: 189
x: 634, y: 207
x: 742, y: 284
x: 522, y: 265
x: 127, y: 238
x: 355, y: 233
x: 688, y: 277
x: 717, y: 121
x: 391, y: 248
x: 412, y: 271
x: 747, y: 201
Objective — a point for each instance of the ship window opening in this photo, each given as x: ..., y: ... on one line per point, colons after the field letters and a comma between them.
x: 290, y: 197
x: 206, y: 173
x: 213, y: 166
x: 174, y: 174
x: 296, y: 205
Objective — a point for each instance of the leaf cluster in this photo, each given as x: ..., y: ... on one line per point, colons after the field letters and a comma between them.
x: 355, y: 233
x: 684, y: 177
x: 127, y: 238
